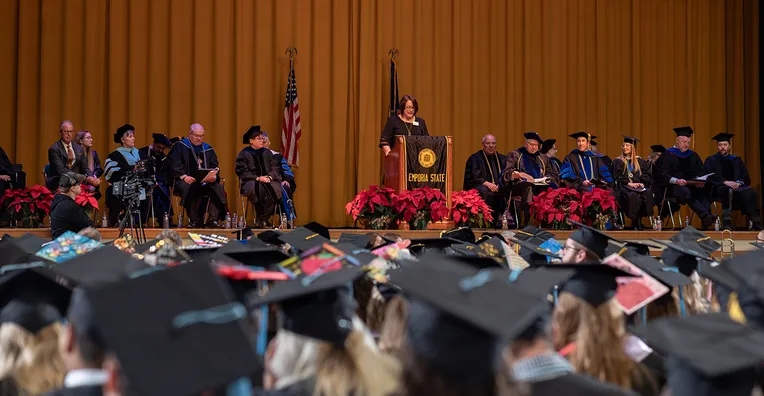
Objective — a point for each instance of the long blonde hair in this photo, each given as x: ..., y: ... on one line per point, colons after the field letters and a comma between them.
x: 356, y: 369
x: 632, y: 157
x: 599, y: 334
x: 32, y: 360
x: 88, y: 150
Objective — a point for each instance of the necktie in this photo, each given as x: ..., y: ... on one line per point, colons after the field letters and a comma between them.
x: 70, y: 154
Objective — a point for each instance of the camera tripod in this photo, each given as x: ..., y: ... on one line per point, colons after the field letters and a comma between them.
x: 132, y: 210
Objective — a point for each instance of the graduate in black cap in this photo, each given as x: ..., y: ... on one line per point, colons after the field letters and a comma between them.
x: 117, y: 166
x: 525, y: 165
x: 483, y: 172
x: 260, y: 176
x: 634, y: 183
x: 549, y: 149
x: 288, y: 181
x: 654, y: 169
x: 582, y: 169
x: 732, y: 182
x: 678, y: 167
x: 156, y: 152
x: 585, y: 245
x: 186, y: 160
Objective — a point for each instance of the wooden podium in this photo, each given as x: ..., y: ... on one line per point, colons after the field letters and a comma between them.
x: 396, y: 173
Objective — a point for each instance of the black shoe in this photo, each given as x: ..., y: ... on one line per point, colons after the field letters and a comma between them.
x: 195, y: 224
x: 708, y: 221
x: 638, y: 224
x: 214, y: 224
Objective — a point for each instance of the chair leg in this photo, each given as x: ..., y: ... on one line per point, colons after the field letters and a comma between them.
x: 671, y: 213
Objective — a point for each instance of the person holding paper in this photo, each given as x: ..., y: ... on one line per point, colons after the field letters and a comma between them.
x: 731, y: 180
x: 682, y: 173
x: 193, y: 166
x: 527, y: 172
x: 632, y: 173
x: 583, y: 169
x: 483, y: 173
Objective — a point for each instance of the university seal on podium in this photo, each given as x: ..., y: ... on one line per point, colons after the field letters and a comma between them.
x: 427, y: 158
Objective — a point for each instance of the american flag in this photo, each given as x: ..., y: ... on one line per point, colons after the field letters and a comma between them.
x: 291, y: 132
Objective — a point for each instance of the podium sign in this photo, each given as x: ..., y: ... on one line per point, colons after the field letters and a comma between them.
x: 426, y: 162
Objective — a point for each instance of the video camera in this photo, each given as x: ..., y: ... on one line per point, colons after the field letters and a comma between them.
x: 134, y: 181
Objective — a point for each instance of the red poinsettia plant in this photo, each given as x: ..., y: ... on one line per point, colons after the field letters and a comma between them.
x: 468, y: 209
x: 29, y: 205
x: 599, y: 206
x: 375, y: 206
x: 553, y: 206
x: 420, y: 206
x: 87, y: 200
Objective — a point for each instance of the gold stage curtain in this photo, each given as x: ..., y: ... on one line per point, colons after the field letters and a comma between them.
x: 610, y: 67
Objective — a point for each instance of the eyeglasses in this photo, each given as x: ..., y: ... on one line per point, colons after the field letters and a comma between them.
x: 67, y: 132
x: 532, y: 144
x: 260, y: 138
x: 409, y: 107
x: 566, y: 247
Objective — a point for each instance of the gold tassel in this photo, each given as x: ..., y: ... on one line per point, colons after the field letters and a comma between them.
x: 733, y: 307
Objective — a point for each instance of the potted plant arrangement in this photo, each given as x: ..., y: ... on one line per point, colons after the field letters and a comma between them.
x: 468, y: 209
x: 27, y: 206
x: 599, y: 207
x: 374, y: 207
x: 553, y: 206
x: 419, y: 207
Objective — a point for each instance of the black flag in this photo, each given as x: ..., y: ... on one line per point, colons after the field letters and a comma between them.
x: 393, y: 108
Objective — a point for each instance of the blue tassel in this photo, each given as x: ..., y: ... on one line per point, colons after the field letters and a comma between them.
x: 556, y: 294
x: 218, y: 315
x: 240, y: 387
x: 643, y: 312
x: 262, y: 330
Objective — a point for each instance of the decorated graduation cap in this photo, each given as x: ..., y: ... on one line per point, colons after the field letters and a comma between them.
x: 359, y: 240
x: 682, y: 255
x: 547, y: 145
x: 662, y: 273
x: 319, y: 306
x: 488, y: 235
x: 266, y: 258
x: 683, y: 131
x: 161, y: 138
x: 192, y: 333
x: 252, y: 132
x: 533, y: 234
x: 658, y: 148
x: 101, y: 266
x: 533, y: 253
x: 582, y: 134
x: 318, y: 228
x: 31, y: 298
x: 629, y: 139
x: 464, y: 234
x: 593, y: 283
x: 451, y: 303
x: 478, y: 262
x: 722, y: 137
x: 121, y: 131
x: 533, y: 136
x: 691, y: 233
x: 421, y: 246
x: 303, y: 238
x: 147, y: 245
x: 709, y: 354
x: 631, y: 248
x: 246, y: 282
x: 591, y: 238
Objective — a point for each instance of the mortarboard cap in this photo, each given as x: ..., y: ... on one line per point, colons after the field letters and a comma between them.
x: 161, y: 138
x: 748, y: 268
x: 319, y: 306
x: 593, y: 142
x: 11, y: 253
x: 355, y: 255
x: 451, y: 303
x: 257, y: 243
x: 758, y: 245
x: 658, y: 148
x: 30, y: 243
x: 582, y: 134
x: 478, y: 262
x: 319, y: 229
x: 691, y: 233
x: 271, y: 237
x: 533, y: 253
x: 199, y: 252
x: 629, y: 139
x: 359, y: 240
x: 252, y: 132
x: 121, y: 131
x: 246, y: 283
x: 488, y: 235
x: 175, y: 139
x: 192, y: 334
x: 421, y: 246
x: 683, y: 131
x: 83, y: 320
x: 541, y: 279
x: 533, y: 136
x: 533, y: 234
x: 662, y: 273
x: 105, y: 265
x: 591, y: 238
x: 723, y: 137
x: 244, y: 233
x: 682, y: 255
x: 31, y: 298
x: 631, y: 248
x: 547, y: 145
x: 146, y: 246
x: 303, y: 238
x: 593, y: 283
x: 712, y: 344
x: 266, y: 258
x: 464, y: 234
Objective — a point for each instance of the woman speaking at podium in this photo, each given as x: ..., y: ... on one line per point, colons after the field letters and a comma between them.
x: 404, y: 123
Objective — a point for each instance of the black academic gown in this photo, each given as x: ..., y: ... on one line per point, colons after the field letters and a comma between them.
x: 161, y: 192
x: 253, y: 163
x: 745, y: 198
x: 633, y: 203
x: 684, y: 165
x: 537, y: 165
x: 481, y: 167
x: 184, y: 159
x: 117, y: 169
x: 579, y: 166
x: 397, y: 127
x: 18, y: 178
x: 576, y: 385
x: 556, y: 164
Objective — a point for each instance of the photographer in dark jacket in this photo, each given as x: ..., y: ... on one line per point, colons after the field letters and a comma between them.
x: 65, y: 214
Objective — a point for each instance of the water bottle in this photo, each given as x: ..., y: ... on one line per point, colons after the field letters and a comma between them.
x: 180, y: 220
x: 658, y: 224
x: 104, y: 221
x: 234, y: 220
x: 228, y: 221
x: 717, y: 225
x: 166, y: 221
x: 242, y: 222
x: 504, y: 222
x: 686, y: 221
x: 283, y: 225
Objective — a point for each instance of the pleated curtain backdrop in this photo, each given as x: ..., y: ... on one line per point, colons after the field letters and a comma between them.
x: 609, y: 67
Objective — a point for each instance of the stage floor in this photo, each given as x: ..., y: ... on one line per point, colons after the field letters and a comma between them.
x: 742, y: 239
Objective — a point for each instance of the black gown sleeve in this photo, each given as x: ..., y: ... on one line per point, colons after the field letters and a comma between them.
x: 743, y: 171
x: 423, y: 126
x: 620, y: 173
x: 175, y: 164
x: 388, y: 133
x: 212, y: 162
x: 243, y: 170
x: 274, y: 167
x: 97, y: 165
x: 710, y: 165
x: 473, y: 174
x: 644, y: 173
x: 6, y: 167
x: 667, y: 163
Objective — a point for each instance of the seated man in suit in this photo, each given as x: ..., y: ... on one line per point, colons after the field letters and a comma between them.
x: 483, y: 173
x: 64, y: 156
x: 260, y: 176
x: 582, y: 169
x: 732, y: 181
x: 678, y: 166
x: 185, y: 159
x: 10, y: 178
x: 156, y: 152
